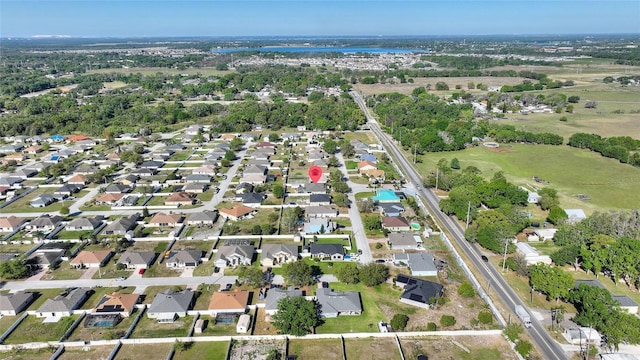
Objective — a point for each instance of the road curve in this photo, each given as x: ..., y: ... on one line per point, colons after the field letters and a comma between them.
x: 549, y: 348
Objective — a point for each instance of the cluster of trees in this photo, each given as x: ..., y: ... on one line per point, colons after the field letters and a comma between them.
x: 296, y: 316
x: 623, y: 148
x: 509, y: 134
x: 468, y: 191
x: 370, y: 274
x: 527, y: 85
x: 14, y: 269
x: 479, y: 62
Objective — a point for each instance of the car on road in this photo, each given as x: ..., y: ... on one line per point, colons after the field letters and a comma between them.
x: 121, y: 278
x: 484, y: 258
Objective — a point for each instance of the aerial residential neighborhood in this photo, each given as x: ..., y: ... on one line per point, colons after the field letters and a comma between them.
x: 303, y: 198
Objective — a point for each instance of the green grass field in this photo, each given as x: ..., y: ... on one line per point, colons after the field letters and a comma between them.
x: 571, y: 171
x: 210, y: 350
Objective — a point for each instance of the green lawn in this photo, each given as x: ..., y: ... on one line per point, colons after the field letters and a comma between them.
x: 149, y: 328
x: 161, y: 270
x: 64, y: 234
x: 204, y: 294
x: 64, y: 272
x: 32, y: 329
x: 7, y: 321
x: 372, y: 300
x: 41, y: 296
x: 379, y: 348
x: 571, y: 171
x: 364, y: 195
x: 309, y: 349
x: 210, y: 350
x: 22, y: 204
x: 351, y: 165
x: 143, y: 351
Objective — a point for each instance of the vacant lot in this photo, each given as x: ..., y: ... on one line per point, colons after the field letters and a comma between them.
x: 309, y: 349
x: 149, y: 328
x: 22, y: 354
x: 407, y: 88
x: 379, y: 348
x: 212, y: 350
x: 256, y: 350
x: 94, y: 352
x: 480, y: 348
x: 33, y: 329
x: 143, y: 351
x: 571, y: 171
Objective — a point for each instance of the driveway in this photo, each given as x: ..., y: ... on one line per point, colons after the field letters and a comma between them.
x: 88, y: 274
x: 354, y: 215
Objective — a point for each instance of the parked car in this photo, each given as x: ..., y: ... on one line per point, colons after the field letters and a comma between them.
x: 141, y: 271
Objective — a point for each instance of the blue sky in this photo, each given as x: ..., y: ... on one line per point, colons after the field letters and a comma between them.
x: 313, y: 17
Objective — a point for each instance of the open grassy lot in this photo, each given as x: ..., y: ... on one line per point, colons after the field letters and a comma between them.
x: 82, y: 333
x: 364, y: 136
x: 161, y: 270
x: 378, y: 348
x: 109, y: 271
x: 15, y: 248
x: 64, y: 272
x: 571, y: 171
x: 214, y: 329
x: 143, y: 351
x: 149, y: 328
x: 204, y: 246
x: 7, y: 321
x: 377, y: 303
x: 32, y: 329
x: 95, y: 352
x: 262, y: 326
x: 210, y: 350
x: 480, y: 348
x: 309, y: 349
x: 24, y: 354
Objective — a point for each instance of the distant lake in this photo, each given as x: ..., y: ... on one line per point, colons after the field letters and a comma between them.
x: 320, y: 49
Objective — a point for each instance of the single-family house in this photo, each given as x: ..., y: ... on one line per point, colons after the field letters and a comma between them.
x: 417, y: 292
x: 391, y: 209
x: 366, y: 165
x: 178, y: 199
x: 244, y: 188
x: 254, y: 170
x: 237, y: 212
x: 44, y: 223
x: 321, y: 211
x: 252, y: 199
x: 235, y: 254
x: 33, y: 150
x: 575, y: 215
x: 42, y: 200
x: 143, y: 172
x: 259, y: 162
x: 531, y: 255
x: 422, y: 264
x: 368, y: 157
x: 229, y: 302
x: 312, y: 188
x: 255, y: 179
x: 183, y: 259
x: 262, y: 155
x: 195, y: 188
x: 395, y: 223
x: 277, y: 254
x: 626, y: 303
x: 319, y: 199
x: 202, y: 218
x: 274, y: 295
x: 209, y: 170
x: 117, y: 188
x: 79, y: 180
x: 161, y: 219
x: 198, y: 179
x: 544, y: 234
x: 120, y: 226
x: 109, y: 198
x: 117, y: 303
x: 91, y: 259
x: 11, y: 223
x: 11, y: 181
x: 329, y: 252
x: 375, y: 175
x: 168, y: 306
x: 152, y: 165
x: 335, y: 303
x: 12, y: 304
x: 84, y: 224
x: 582, y: 336
x: 63, y: 304
x: 227, y: 137
x: 25, y: 173
x: 137, y: 259
x: 404, y: 241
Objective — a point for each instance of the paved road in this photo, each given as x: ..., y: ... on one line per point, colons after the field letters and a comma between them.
x: 356, y: 220
x: 139, y: 282
x: 544, y: 342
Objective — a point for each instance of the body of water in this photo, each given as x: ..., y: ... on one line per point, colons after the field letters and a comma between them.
x: 320, y: 49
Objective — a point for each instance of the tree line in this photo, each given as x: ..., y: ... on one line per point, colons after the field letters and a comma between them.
x: 623, y: 148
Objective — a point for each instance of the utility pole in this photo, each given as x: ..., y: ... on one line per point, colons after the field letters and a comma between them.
x: 437, y: 177
x: 504, y: 259
x: 415, y: 152
x: 468, y: 214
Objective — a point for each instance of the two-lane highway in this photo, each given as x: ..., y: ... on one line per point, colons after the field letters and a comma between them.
x: 549, y: 348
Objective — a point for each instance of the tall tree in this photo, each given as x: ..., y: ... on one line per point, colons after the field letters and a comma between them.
x: 296, y: 316
x: 298, y: 273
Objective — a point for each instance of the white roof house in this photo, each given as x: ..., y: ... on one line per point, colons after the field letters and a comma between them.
x: 531, y: 254
x: 575, y: 215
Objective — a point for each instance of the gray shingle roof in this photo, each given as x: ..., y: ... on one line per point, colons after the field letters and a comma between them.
x: 15, y: 302
x: 422, y: 262
x: 137, y: 257
x: 274, y: 295
x: 269, y: 250
x: 333, y: 303
x: 171, y: 302
x: 328, y: 249
x: 64, y: 303
x: 420, y: 290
